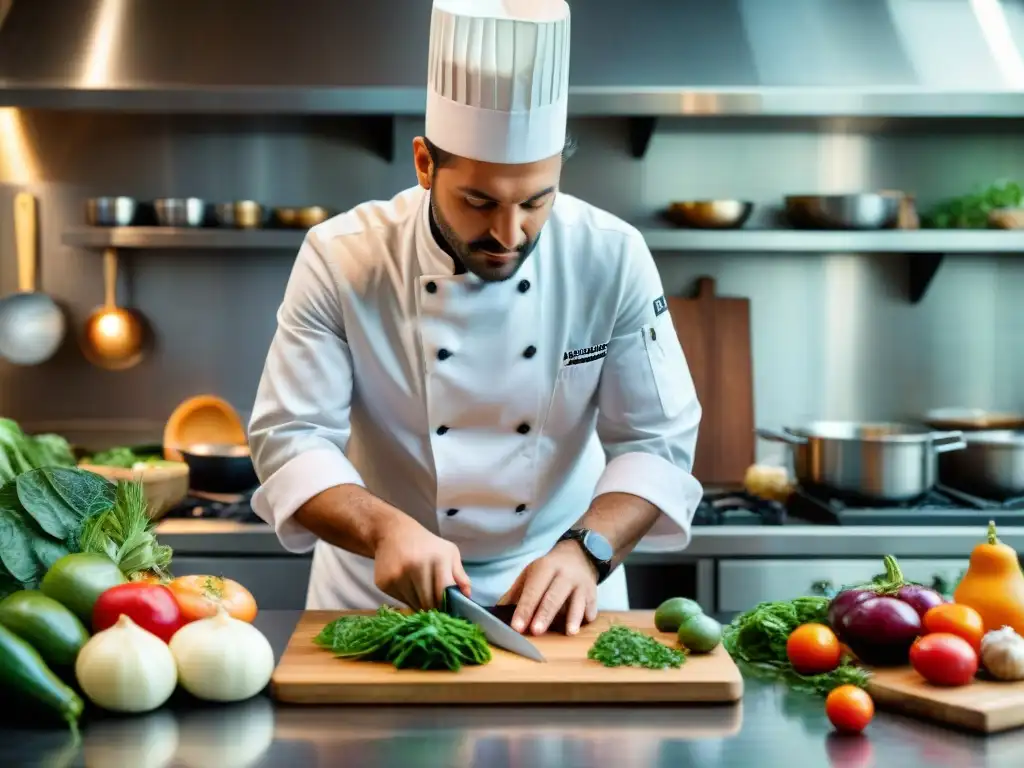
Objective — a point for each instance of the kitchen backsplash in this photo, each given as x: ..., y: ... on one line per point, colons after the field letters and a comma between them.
x: 833, y: 336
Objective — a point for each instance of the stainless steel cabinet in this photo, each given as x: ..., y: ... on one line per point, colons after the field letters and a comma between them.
x: 741, y: 584
x: 277, y: 583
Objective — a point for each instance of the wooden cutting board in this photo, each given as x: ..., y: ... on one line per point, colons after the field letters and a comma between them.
x: 984, y: 706
x: 715, y: 334
x: 309, y: 674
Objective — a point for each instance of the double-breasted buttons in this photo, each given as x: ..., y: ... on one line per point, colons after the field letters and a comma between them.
x: 452, y: 512
x: 520, y: 509
x: 431, y: 287
x: 442, y: 429
x: 443, y: 354
x: 529, y: 352
x: 524, y: 286
x: 523, y: 429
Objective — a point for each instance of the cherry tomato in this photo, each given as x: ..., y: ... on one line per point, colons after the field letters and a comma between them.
x: 813, y: 649
x: 956, y: 619
x: 151, y: 606
x: 943, y: 658
x: 200, y: 596
x: 849, y: 708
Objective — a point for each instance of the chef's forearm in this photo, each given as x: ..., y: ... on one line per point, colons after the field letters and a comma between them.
x: 350, y: 517
x: 622, y: 518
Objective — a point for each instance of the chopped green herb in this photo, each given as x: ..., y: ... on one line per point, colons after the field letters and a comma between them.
x: 622, y: 646
x: 421, y: 640
x: 757, y: 640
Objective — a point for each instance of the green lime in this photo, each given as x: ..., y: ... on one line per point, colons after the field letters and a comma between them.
x: 674, y: 612
x: 700, y: 633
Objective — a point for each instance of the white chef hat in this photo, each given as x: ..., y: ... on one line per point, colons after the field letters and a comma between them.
x: 498, y: 78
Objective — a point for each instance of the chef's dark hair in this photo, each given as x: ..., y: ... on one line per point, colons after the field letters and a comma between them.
x: 440, y: 158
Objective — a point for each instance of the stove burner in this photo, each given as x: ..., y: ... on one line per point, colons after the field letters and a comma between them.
x: 939, y: 506
x: 738, y: 508
x: 216, y: 506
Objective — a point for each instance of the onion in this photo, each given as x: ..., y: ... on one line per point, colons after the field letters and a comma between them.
x: 222, y: 658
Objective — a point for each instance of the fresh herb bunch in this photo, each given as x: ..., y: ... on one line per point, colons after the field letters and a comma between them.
x: 420, y: 640
x: 971, y: 211
x: 127, y: 534
x: 622, y: 646
x: 757, y: 639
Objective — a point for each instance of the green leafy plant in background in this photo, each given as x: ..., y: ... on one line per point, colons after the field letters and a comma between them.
x: 20, y: 452
x: 971, y: 211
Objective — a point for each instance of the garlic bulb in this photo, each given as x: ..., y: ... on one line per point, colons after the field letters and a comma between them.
x: 222, y: 658
x: 1002, y: 653
x: 125, y: 668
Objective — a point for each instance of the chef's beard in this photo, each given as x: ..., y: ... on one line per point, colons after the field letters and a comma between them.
x: 472, y: 254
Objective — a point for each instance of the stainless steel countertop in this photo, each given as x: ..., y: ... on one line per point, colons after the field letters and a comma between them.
x: 771, y: 727
x: 217, y: 537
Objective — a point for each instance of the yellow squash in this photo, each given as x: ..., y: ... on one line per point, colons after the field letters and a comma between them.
x: 994, y: 585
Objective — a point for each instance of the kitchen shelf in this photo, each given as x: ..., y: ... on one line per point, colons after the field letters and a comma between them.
x: 183, y: 238
x: 925, y: 248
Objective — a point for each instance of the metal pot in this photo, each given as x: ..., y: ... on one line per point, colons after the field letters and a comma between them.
x: 219, y: 468
x: 867, y: 210
x: 991, y: 466
x: 873, y: 462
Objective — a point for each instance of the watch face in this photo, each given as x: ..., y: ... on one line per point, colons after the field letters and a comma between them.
x: 598, y: 546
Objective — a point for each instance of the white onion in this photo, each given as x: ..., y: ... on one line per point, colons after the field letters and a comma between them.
x: 126, y: 668
x: 222, y: 658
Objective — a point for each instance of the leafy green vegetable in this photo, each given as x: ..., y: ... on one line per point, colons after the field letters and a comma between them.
x: 758, y: 639
x: 622, y: 646
x: 42, y: 515
x: 127, y: 534
x: 124, y: 458
x: 971, y: 211
x: 20, y: 453
x: 422, y: 640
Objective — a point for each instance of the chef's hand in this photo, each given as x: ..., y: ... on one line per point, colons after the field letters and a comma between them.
x: 413, y: 565
x: 562, y: 579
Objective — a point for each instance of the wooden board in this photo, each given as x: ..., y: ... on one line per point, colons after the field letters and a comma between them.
x: 984, y: 706
x: 715, y: 334
x: 308, y: 674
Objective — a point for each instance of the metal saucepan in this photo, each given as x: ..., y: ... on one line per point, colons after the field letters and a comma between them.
x: 710, y: 214
x: 873, y: 462
x: 865, y: 210
x: 32, y: 325
x: 991, y: 466
x: 219, y: 468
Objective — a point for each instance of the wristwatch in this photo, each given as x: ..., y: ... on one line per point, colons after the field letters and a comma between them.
x: 595, y: 546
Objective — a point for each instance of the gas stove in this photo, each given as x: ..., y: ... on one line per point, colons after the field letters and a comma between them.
x: 940, y: 506
x: 215, y: 506
x: 738, y: 508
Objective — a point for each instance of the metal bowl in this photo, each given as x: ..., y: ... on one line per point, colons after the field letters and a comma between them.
x: 863, y: 210
x: 216, y: 468
x: 241, y: 214
x: 110, y: 211
x: 180, y: 211
x: 710, y: 214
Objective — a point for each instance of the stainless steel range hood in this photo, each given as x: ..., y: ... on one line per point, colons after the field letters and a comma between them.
x: 642, y: 58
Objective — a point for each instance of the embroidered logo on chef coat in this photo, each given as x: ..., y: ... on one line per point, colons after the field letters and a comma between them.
x: 660, y: 305
x: 585, y: 355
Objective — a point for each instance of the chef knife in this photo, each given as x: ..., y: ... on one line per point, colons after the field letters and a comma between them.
x: 495, y: 630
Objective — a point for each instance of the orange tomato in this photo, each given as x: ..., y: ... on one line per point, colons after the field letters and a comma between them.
x: 199, y: 597
x: 956, y: 619
x: 813, y: 649
x: 849, y: 708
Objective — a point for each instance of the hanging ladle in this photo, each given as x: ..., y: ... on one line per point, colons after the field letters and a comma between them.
x: 114, y: 336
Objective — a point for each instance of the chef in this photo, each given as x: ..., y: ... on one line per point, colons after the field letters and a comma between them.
x: 477, y: 382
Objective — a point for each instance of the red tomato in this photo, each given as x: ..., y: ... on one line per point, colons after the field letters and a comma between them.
x: 943, y: 658
x: 151, y: 606
x: 849, y: 708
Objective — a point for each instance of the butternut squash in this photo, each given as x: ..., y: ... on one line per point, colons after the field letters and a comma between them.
x: 994, y: 585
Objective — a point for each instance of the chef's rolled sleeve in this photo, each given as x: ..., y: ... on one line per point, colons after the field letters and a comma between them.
x: 648, y: 412
x: 300, y: 421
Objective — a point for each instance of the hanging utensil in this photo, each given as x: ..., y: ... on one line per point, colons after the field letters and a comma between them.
x: 32, y: 326
x: 114, y: 336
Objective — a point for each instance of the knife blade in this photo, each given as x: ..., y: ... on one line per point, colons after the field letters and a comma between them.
x: 495, y: 630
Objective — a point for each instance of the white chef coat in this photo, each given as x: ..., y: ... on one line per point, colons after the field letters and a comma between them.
x: 492, y: 413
